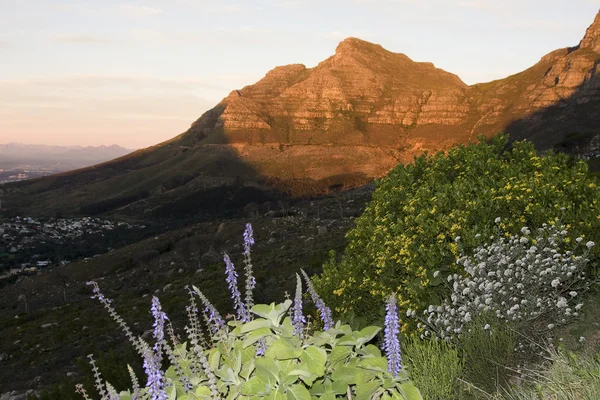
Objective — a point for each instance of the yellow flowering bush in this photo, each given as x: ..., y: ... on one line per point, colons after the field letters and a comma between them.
x: 410, y: 228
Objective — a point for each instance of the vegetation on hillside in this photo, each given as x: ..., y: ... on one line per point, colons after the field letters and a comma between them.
x: 410, y: 228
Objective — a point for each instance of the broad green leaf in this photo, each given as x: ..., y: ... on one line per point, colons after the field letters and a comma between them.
x: 263, y: 310
x: 279, y: 311
x: 214, y: 359
x: 339, y: 353
x: 317, y: 389
x: 256, y: 335
x: 410, y: 392
x: 314, y: 358
x: 267, y: 370
x: 379, y: 364
x: 124, y: 396
x: 203, y: 392
x: 370, y: 351
x: 276, y: 394
x: 348, y: 375
x: 297, y: 392
x: 364, y: 391
x: 339, y: 387
x: 255, y: 324
x: 327, y: 396
x: 282, y: 349
x: 172, y: 393
x: 255, y: 386
x: 367, y: 334
x: 348, y: 340
x: 306, y: 376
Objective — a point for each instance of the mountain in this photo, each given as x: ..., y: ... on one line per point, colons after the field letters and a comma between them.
x: 77, y: 156
x: 350, y: 119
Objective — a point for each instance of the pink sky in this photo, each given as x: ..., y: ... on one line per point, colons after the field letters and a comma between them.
x: 138, y: 72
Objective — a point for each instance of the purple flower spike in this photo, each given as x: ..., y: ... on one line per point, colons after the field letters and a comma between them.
x: 231, y: 279
x: 159, y: 320
x: 324, y: 311
x: 250, y: 280
x: 391, y: 344
x: 248, y: 238
x: 298, y: 319
x: 155, y: 383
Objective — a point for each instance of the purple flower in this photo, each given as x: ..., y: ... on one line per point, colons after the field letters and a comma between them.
x: 324, y: 311
x: 261, y: 347
x: 248, y: 238
x: 155, y: 383
x: 391, y: 344
x: 159, y: 319
x: 250, y: 280
x: 97, y: 293
x: 231, y: 279
x: 298, y: 319
x: 214, y: 318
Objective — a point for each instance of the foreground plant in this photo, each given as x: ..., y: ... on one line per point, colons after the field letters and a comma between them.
x: 267, y: 352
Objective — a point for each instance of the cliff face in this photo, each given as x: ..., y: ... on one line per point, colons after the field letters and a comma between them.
x: 360, y: 112
x: 366, y: 95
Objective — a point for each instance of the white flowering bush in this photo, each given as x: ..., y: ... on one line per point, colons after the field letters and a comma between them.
x: 523, y: 279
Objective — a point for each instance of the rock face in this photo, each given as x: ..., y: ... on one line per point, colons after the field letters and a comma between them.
x: 358, y: 113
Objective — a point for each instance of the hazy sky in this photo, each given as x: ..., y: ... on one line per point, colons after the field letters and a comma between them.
x: 136, y: 73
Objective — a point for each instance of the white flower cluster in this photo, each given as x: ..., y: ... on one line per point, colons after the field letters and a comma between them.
x: 517, y: 278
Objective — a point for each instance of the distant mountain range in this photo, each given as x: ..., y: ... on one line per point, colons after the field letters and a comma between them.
x: 79, y: 156
x: 348, y: 120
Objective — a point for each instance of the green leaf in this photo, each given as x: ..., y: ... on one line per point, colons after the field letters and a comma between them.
x: 214, y: 359
x: 256, y: 335
x: 339, y: 353
x: 283, y: 349
x: 379, y: 364
x: 263, y: 310
x: 172, y: 393
x: 370, y: 351
x: 348, y: 375
x: 255, y: 386
x: 267, y: 369
x: 314, y: 358
x: 327, y: 396
x: 348, y: 340
x: 255, y: 324
x: 366, y: 334
x: 410, y: 392
x: 276, y: 394
x: 339, y: 387
x: 364, y: 391
x: 297, y: 392
x: 203, y: 392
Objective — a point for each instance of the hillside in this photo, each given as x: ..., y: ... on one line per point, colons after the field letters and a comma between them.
x: 346, y: 121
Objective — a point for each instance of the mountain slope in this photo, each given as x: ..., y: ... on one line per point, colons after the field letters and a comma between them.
x: 356, y: 114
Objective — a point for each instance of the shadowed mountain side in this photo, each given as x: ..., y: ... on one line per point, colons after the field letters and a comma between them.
x: 351, y: 118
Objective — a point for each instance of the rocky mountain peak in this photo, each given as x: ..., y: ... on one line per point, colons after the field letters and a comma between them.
x: 591, y: 40
x: 352, y: 45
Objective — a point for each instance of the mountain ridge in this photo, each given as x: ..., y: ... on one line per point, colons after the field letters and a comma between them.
x: 356, y: 114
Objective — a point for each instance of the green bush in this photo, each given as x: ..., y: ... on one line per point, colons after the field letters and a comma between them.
x: 435, y: 366
x: 408, y: 230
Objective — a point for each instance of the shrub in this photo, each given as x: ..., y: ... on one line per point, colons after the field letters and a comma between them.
x: 266, y: 352
x: 408, y: 230
x: 521, y: 278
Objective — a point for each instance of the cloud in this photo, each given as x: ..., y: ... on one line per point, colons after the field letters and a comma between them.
x: 138, y: 11
x: 287, y: 3
x: 229, y: 8
x: 75, y: 38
